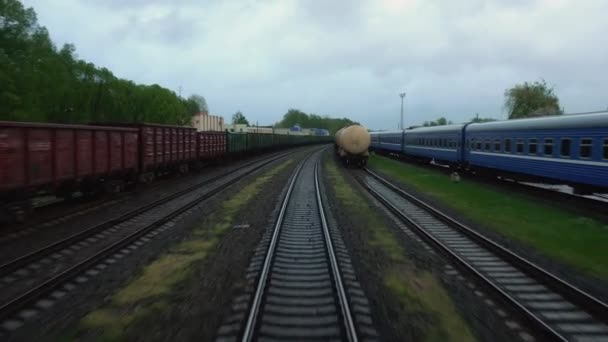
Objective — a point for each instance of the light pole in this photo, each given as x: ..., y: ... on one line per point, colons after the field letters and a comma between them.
x: 402, y: 96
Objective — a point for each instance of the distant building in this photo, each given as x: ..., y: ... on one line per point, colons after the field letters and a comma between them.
x: 206, y: 122
x: 260, y: 129
x: 295, y: 130
x: 238, y: 128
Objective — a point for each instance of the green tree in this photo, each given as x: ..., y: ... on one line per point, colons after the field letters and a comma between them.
x: 477, y: 119
x: 239, y: 118
x: 201, y: 103
x: 39, y: 82
x: 298, y: 117
x: 442, y: 121
x: 531, y: 99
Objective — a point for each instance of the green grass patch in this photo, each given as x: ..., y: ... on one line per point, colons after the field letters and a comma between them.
x: 423, y: 292
x: 562, y: 235
x: 423, y: 301
x: 147, y: 294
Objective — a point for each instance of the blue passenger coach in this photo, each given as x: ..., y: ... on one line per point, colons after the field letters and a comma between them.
x: 387, y: 141
x: 439, y: 143
x: 569, y: 149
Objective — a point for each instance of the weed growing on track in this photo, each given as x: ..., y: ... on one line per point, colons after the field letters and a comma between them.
x: 148, y: 294
x: 567, y: 237
x: 424, y: 309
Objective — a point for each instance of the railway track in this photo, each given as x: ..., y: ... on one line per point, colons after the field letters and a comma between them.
x: 27, y: 282
x: 553, y: 308
x: 305, y: 285
x: 19, y: 231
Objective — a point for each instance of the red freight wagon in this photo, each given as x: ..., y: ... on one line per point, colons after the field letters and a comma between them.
x: 36, y: 156
x: 163, y: 147
x: 211, y: 145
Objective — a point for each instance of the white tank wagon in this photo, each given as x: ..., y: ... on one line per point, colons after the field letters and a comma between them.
x: 352, y: 145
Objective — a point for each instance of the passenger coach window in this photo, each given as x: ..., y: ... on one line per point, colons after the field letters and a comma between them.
x: 605, y: 155
x: 507, y: 145
x: 497, y: 145
x: 478, y: 146
x: 565, y: 147
x: 520, y: 146
x: 532, y: 143
x: 548, y: 147
x: 487, y: 145
x: 586, y: 146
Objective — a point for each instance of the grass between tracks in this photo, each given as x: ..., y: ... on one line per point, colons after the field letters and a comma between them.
x: 147, y: 294
x: 578, y: 241
x: 419, y: 303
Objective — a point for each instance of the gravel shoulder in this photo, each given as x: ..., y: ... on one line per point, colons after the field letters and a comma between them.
x: 414, y: 294
x: 176, y: 286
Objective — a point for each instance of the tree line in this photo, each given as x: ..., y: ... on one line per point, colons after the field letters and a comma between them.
x: 298, y: 117
x: 527, y: 100
x: 40, y: 82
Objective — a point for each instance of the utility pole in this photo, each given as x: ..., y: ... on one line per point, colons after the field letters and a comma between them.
x: 402, y: 96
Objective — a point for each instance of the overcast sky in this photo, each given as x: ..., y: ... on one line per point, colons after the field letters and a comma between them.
x: 345, y: 58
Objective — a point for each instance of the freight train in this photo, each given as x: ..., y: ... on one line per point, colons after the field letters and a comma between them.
x: 567, y: 149
x: 352, y: 145
x: 60, y: 160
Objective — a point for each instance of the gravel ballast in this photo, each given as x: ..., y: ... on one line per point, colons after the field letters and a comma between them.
x: 202, y: 293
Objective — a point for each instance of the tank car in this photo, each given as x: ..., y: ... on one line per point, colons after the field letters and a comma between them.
x: 352, y: 145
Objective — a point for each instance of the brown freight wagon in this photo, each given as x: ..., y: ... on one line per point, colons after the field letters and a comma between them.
x: 211, y: 146
x: 163, y: 148
x: 62, y: 158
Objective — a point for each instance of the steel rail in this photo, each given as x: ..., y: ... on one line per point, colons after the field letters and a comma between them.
x: 575, y: 295
x: 532, y: 319
x: 349, y: 325
x: 568, y: 290
x: 8, y: 309
x: 259, y: 293
x: 40, y: 253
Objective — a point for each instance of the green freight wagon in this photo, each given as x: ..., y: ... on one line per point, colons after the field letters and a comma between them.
x: 280, y: 141
x: 237, y: 143
x: 258, y: 142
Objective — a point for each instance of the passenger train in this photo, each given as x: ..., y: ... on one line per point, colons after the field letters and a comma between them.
x: 567, y: 149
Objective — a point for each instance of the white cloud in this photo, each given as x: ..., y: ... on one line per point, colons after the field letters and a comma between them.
x: 345, y: 58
